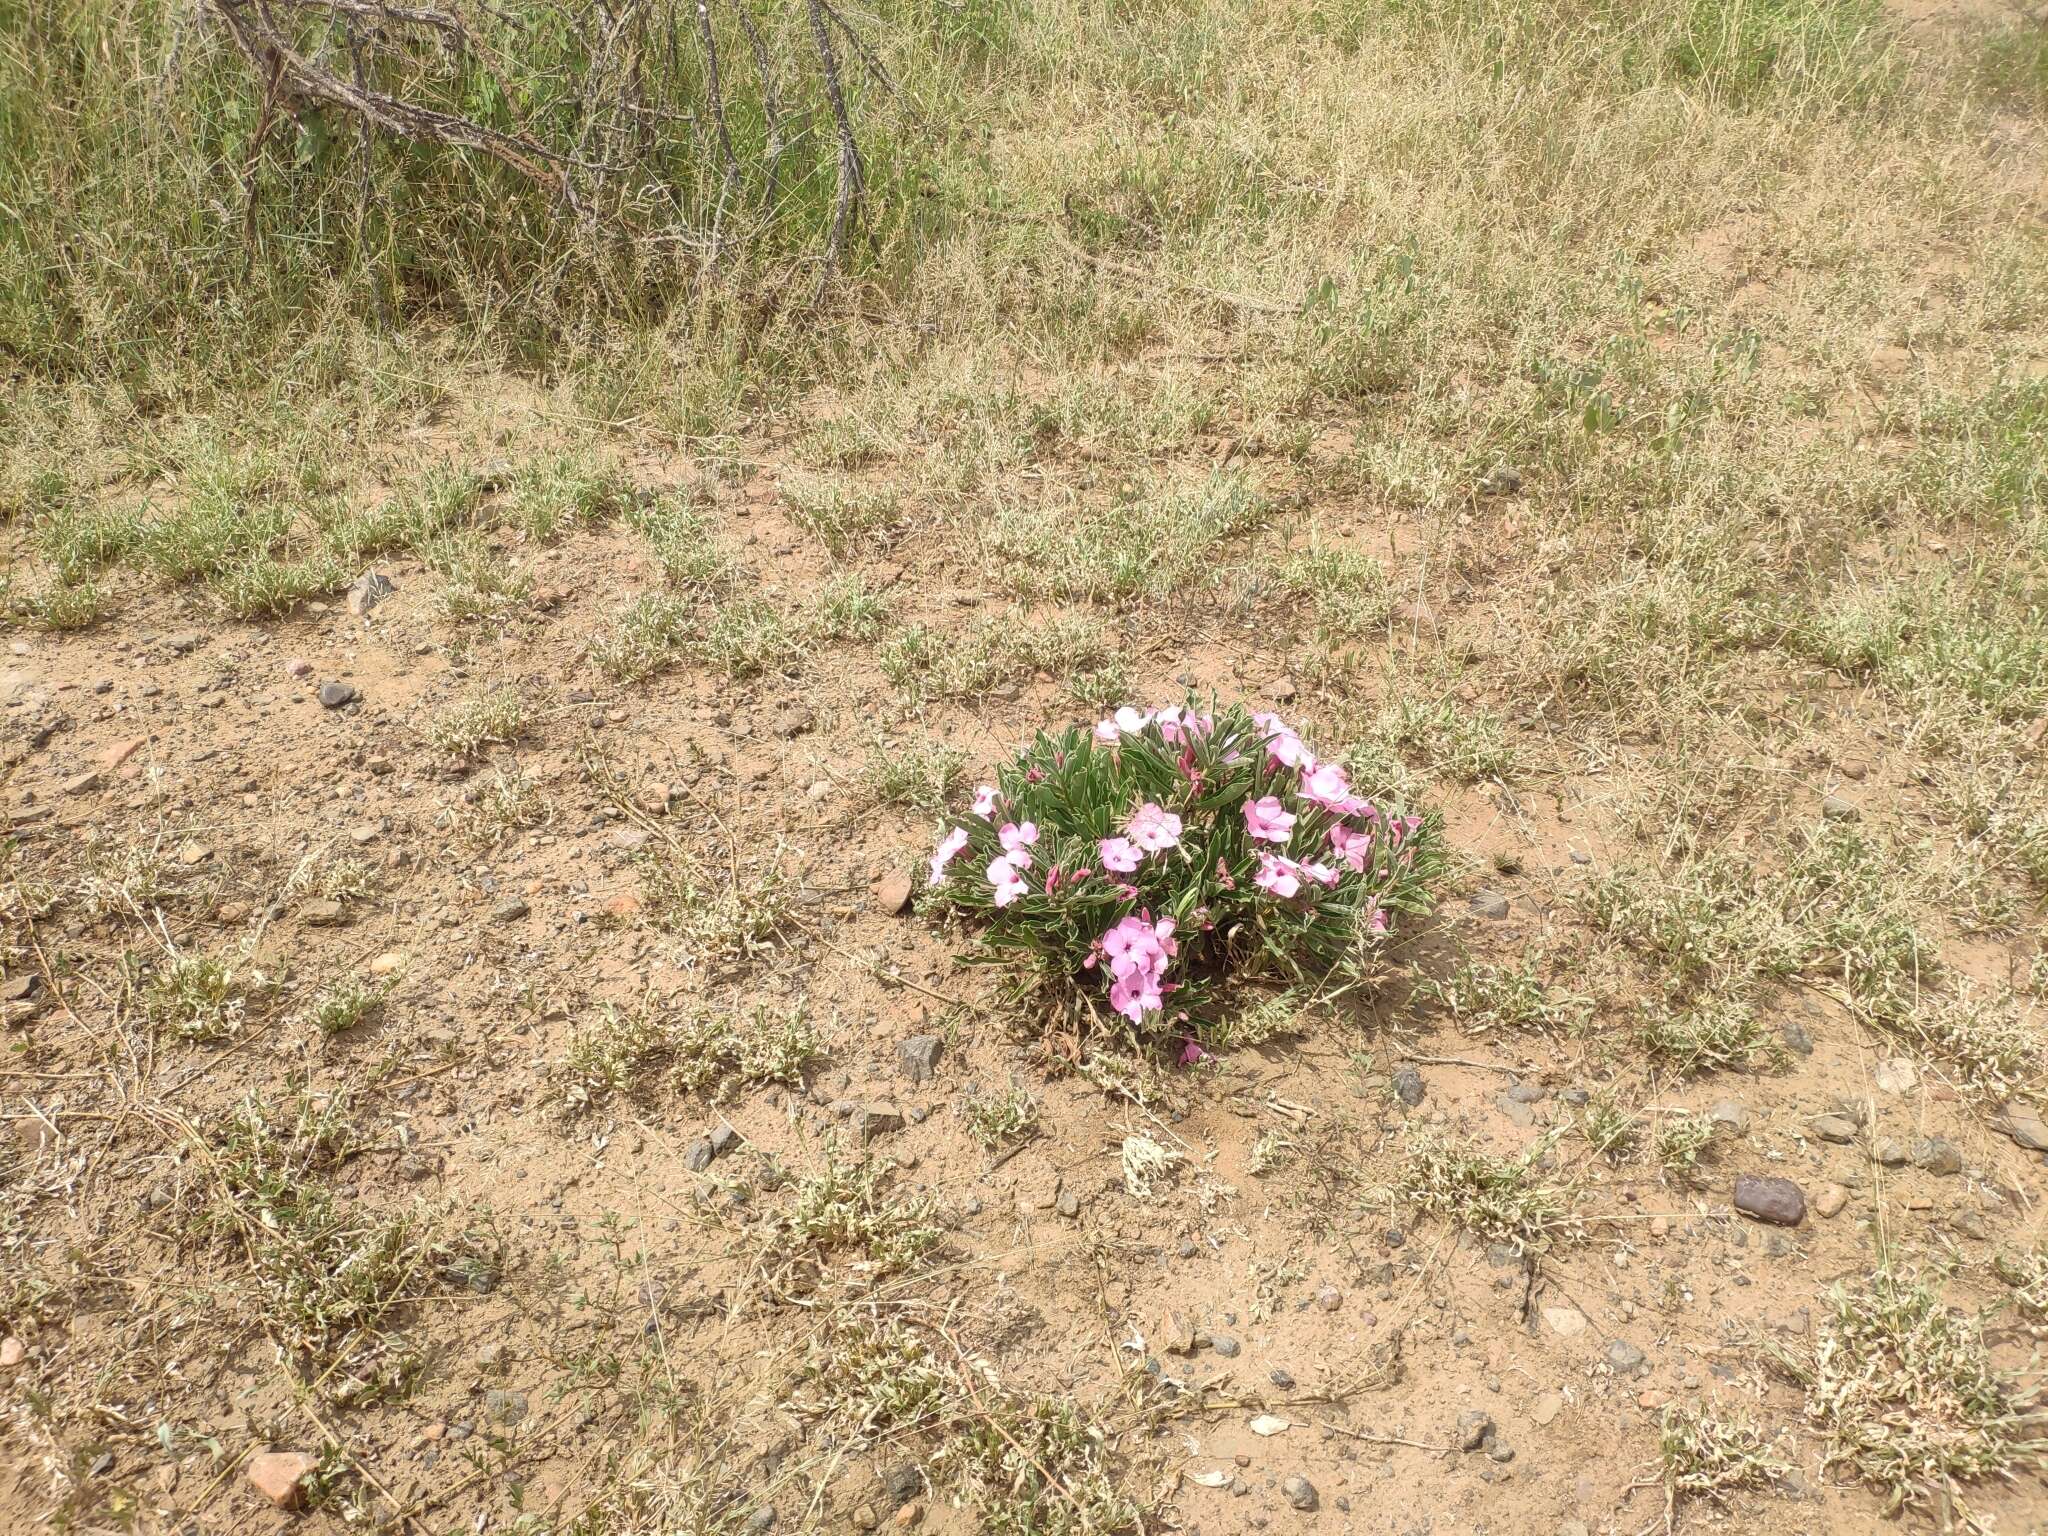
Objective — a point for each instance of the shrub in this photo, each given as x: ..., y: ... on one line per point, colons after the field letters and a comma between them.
x: 1162, y: 854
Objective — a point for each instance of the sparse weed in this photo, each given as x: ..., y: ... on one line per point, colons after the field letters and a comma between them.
x: 997, y: 1119
x: 1154, y: 542
x: 1679, y: 1143
x: 918, y: 776
x: 481, y: 582
x: 1465, y: 742
x: 1714, y: 1034
x: 1484, y: 997
x: 847, y: 519
x: 722, y: 917
x: 625, y: 1051
x: 1503, y: 1199
x: 847, y: 610
x: 650, y: 636
x: 505, y: 803
x: 691, y: 558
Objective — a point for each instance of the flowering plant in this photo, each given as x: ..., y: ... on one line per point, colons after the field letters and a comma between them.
x: 1162, y: 852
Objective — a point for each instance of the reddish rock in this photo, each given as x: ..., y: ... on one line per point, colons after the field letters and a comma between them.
x: 892, y: 893
x: 280, y: 1476
x: 12, y: 1353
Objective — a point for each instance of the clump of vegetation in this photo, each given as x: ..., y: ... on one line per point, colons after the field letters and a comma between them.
x: 722, y: 915
x: 1164, y: 851
x: 344, y: 1006
x: 201, y: 997
x: 496, y: 717
x: 329, y: 1280
x: 1707, y: 1454
x: 564, y: 490
x: 848, y: 1207
x: 1609, y: 1129
x: 1503, y: 1199
x: 1904, y: 1389
x: 624, y: 1051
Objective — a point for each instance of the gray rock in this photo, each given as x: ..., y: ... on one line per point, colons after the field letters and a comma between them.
x: 1518, y: 1113
x: 762, y: 1519
x: 1284, y: 1380
x: 1498, y: 1449
x: 1473, y: 1428
x: 2024, y: 1127
x: 1890, y: 1153
x: 1778, y: 1201
x: 1408, y: 1086
x: 1836, y: 808
x: 1796, y: 1039
x: 723, y: 1138
x: 919, y: 1057
x: 873, y: 1120
x: 1527, y: 1093
x: 1836, y: 1128
x: 367, y: 591
x: 504, y: 1407
x: 1069, y: 1204
x: 1224, y: 1345
x: 184, y: 640
x: 510, y: 911
x: 334, y: 695
x: 1938, y: 1156
x: 1490, y: 904
x: 1624, y: 1357
x: 699, y: 1155
x: 903, y: 1482
x: 1299, y: 1492
x: 1729, y: 1113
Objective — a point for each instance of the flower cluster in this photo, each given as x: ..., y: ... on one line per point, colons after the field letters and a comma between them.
x: 1169, y: 850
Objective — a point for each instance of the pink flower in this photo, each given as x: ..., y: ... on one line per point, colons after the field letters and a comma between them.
x: 1321, y: 874
x: 1107, y: 733
x: 1153, y: 829
x: 1017, y: 842
x: 1176, y: 724
x: 1131, y: 721
x: 949, y: 845
x: 985, y: 801
x: 1119, y: 854
x: 1007, y: 885
x: 1326, y: 785
x: 1267, y: 820
x: 1379, y: 918
x: 1282, y: 745
x: 1278, y: 877
x: 1191, y: 1054
x: 1354, y: 848
x: 1137, y: 950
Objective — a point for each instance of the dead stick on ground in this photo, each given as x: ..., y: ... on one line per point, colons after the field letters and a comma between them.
x: 1359, y: 1434
x: 1462, y: 1061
